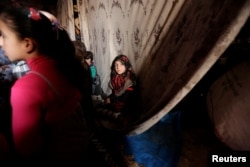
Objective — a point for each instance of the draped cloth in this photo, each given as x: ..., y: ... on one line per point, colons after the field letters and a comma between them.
x: 171, y: 44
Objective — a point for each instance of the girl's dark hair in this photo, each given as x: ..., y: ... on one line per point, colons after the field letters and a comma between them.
x: 50, y: 40
x: 80, y: 49
x: 89, y: 55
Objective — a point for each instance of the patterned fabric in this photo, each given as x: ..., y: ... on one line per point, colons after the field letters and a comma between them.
x: 10, y: 71
x: 5, y: 68
x: 156, y: 35
x: 3, y: 59
x: 20, y: 69
x: 6, y: 74
x: 118, y: 82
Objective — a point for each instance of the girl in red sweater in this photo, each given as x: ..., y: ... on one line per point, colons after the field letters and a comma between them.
x: 46, y: 124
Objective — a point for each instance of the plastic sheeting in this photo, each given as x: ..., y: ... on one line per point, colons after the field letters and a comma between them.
x: 159, y: 146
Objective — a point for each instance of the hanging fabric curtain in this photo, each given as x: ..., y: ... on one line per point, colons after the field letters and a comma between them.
x: 170, y: 43
x: 198, y: 37
x: 133, y: 28
x: 65, y: 16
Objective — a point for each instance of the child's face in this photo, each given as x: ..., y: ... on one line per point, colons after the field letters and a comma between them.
x: 12, y: 46
x: 119, y: 67
x: 88, y: 61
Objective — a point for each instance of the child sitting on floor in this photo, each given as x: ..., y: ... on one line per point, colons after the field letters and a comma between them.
x: 96, y: 82
x: 120, y: 105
